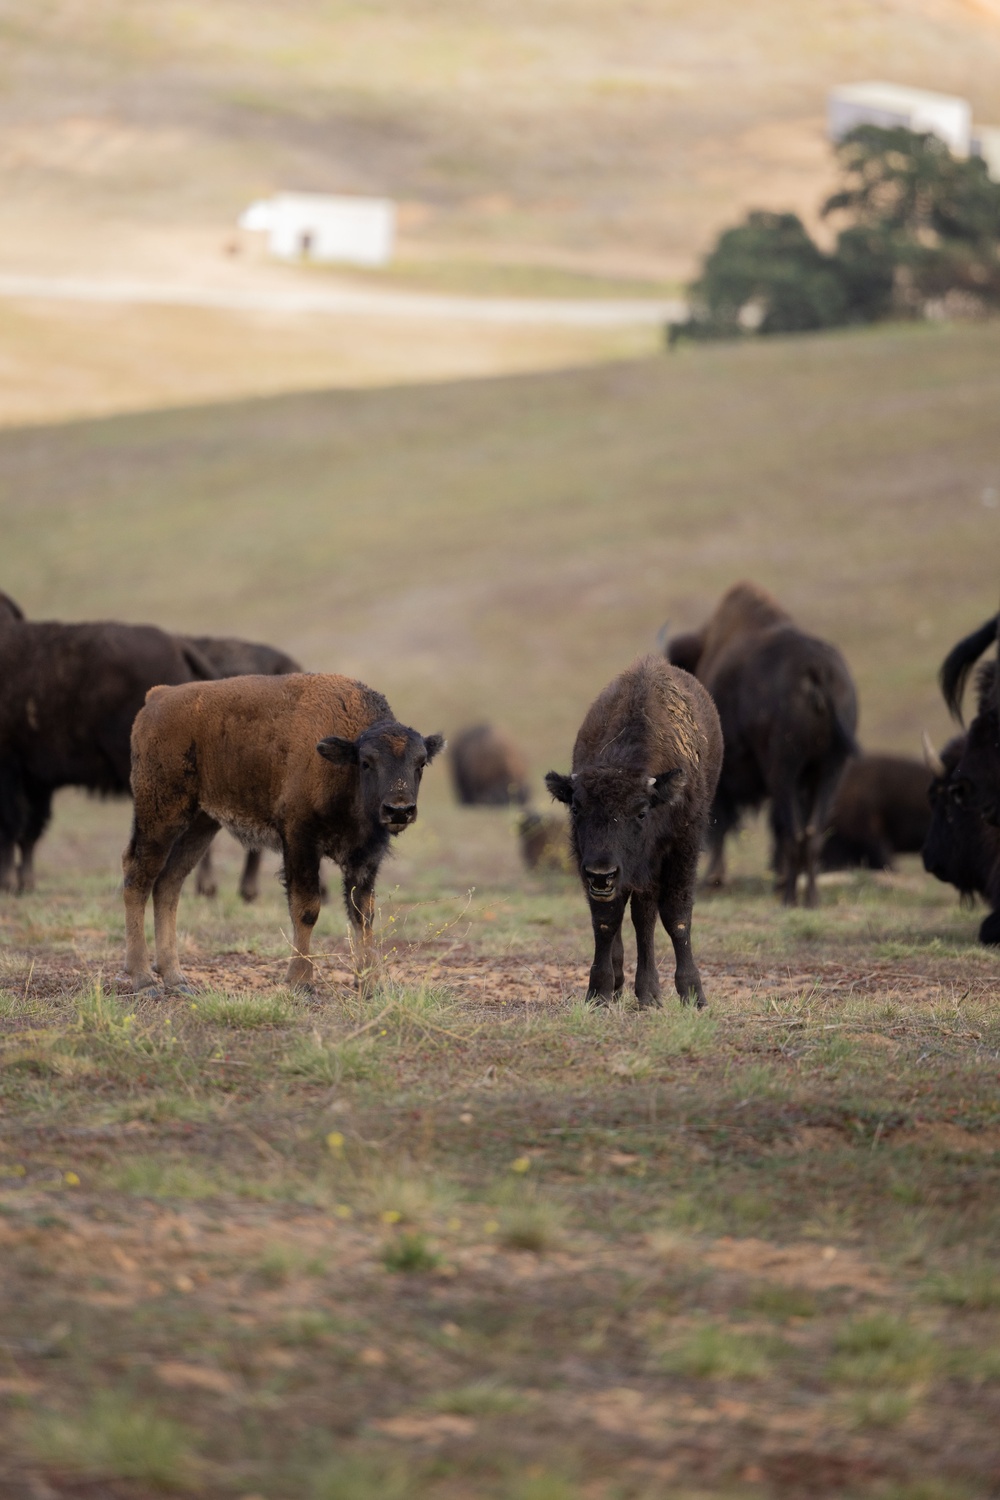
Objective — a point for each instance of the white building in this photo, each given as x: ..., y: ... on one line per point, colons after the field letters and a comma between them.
x: 323, y: 227
x: 889, y: 104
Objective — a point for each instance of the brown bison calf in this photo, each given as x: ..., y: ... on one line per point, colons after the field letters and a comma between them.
x: 309, y: 765
x: 645, y: 767
x: 882, y: 808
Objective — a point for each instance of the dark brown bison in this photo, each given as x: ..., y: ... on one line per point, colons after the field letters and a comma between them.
x: 487, y: 768
x: 308, y: 764
x: 68, y: 697
x: 979, y: 771
x: 544, y: 841
x: 789, y: 712
x: 232, y: 657
x: 645, y: 767
x: 882, y: 808
x: 961, y: 848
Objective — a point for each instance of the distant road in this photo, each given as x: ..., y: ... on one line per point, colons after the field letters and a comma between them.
x: 348, y: 302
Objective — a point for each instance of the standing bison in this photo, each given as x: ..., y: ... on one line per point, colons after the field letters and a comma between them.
x: 788, y: 711
x: 68, y: 696
x: 309, y: 764
x: 645, y: 767
x: 229, y: 656
x: 882, y: 808
x: 487, y: 768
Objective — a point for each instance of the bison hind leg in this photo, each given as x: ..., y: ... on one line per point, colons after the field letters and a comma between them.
x: 185, y: 852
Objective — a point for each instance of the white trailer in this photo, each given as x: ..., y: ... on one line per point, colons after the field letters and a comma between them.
x: 890, y: 104
x: 325, y: 227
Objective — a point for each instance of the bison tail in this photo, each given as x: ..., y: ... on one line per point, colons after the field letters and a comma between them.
x: 959, y: 662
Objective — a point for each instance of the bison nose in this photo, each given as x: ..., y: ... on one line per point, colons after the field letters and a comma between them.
x: 601, y: 881
x: 398, y: 814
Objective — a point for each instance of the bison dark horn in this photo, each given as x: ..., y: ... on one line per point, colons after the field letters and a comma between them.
x: 339, y: 752
x: 932, y: 759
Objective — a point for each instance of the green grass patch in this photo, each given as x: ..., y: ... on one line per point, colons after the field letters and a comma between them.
x: 116, y: 1438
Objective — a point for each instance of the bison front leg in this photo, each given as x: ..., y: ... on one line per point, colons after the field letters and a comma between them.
x: 647, y: 981
x: 359, y: 898
x: 676, y: 904
x: 302, y: 885
x: 606, y: 918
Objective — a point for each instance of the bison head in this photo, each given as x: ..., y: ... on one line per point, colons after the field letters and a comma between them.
x: 979, y: 767
x: 955, y: 849
x: 390, y: 760
x: 613, y: 813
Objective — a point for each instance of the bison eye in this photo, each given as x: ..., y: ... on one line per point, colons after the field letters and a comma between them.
x: 366, y: 765
x: 958, y: 794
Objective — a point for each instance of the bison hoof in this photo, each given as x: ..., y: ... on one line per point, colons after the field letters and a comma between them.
x: 144, y: 984
x: 247, y: 895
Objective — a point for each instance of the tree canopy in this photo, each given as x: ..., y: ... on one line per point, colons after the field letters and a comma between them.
x: 920, y: 226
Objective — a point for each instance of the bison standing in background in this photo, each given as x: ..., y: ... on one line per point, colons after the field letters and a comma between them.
x: 645, y: 767
x: 788, y: 710
x: 487, y: 768
x: 882, y: 808
x: 68, y: 696
x: 231, y: 657
x: 312, y: 765
x: 961, y: 848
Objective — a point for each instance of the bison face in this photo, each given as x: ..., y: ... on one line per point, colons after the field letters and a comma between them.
x: 613, y: 814
x: 955, y: 847
x: 390, y: 760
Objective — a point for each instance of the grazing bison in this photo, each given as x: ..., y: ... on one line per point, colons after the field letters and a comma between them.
x: 788, y: 711
x: 309, y: 764
x: 961, y: 848
x: 882, y: 808
x: 645, y: 767
x: 544, y: 841
x: 231, y: 657
x: 487, y: 768
x: 68, y: 697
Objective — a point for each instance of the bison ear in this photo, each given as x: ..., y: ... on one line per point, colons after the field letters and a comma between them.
x: 666, y: 787
x: 434, y: 744
x: 339, y: 752
x: 561, y: 787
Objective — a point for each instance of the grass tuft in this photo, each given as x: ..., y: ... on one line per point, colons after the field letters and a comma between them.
x: 116, y: 1438
x: 246, y: 1011
x: 716, y: 1353
x: 409, y: 1251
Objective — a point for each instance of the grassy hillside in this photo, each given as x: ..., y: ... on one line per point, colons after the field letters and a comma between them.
x: 503, y: 547
x: 592, y: 131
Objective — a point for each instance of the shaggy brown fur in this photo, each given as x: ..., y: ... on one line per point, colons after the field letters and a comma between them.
x: 231, y: 657
x: 308, y: 764
x: 645, y: 767
x: 788, y: 711
x: 882, y: 808
x: 487, y: 768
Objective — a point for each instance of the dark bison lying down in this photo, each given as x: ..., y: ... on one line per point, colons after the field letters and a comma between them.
x: 961, y: 848
x: 645, y: 767
x: 789, y: 712
x: 70, y: 694
x: 882, y: 808
x: 309, y: 764
x: 487, y: 768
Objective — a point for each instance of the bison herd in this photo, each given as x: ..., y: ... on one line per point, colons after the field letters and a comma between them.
x: 749, y: 710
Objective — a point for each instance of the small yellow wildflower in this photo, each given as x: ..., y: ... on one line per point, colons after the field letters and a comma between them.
x: 344, y: 1211
x: 391, y: 1216
x: 491, y: 1226
x: 18, y: 1171
x: 335, y: 1141
x: 521, y: 1164
x: 454, y: 1224
x: 71, y: 1179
